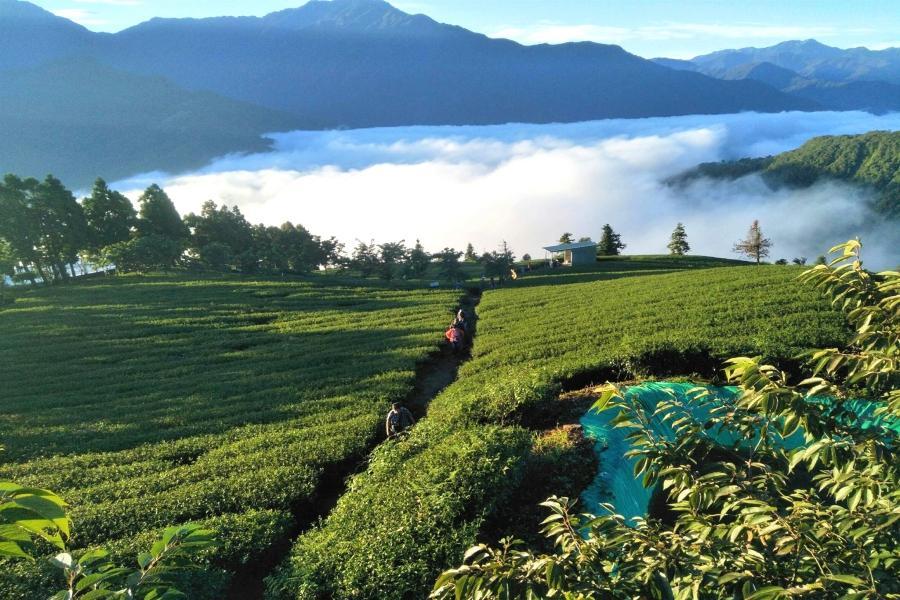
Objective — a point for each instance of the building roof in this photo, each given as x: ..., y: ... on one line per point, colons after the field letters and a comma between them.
x: 574, y: 246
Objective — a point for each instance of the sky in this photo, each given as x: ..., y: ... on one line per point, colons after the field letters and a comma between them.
x: 649, y: 28
x: 527, y: 184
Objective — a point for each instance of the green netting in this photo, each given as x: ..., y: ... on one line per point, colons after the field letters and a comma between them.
x: 615, y: 482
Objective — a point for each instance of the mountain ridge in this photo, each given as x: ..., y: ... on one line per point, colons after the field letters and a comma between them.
x: 362, y: 63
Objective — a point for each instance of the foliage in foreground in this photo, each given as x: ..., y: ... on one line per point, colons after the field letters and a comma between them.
x: 754, y: 514
x: 29, y: 515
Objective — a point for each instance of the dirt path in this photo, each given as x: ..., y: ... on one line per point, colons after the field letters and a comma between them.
x: 432, y: 377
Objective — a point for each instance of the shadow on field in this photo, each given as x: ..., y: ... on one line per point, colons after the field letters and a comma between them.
x: 191, y: 379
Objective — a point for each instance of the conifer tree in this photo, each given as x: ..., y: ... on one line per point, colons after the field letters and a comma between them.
x: 678, y: 245
x: 610, y: 242
x: 470, y: 254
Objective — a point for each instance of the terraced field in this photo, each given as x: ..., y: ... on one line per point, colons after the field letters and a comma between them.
x: 426, y: 499
x: 150, y: 401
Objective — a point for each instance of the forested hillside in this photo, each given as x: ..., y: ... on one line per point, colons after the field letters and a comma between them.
x: 871, y: 160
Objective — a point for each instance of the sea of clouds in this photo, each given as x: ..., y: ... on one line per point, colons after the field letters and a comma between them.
x: 527, y: 184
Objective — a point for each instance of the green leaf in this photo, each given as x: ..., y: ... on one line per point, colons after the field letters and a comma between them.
x: 848, y: 579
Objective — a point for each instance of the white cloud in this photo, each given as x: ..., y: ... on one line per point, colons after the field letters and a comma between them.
x: 82, y: 16
x: 528, y: 183
x: 558, y: 33
x: 884, y: 45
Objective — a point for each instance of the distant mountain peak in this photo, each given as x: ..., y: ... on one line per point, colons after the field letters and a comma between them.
x: 16, y: 9
x: 352, y: 16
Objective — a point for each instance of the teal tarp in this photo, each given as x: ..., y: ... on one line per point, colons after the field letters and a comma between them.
x: 615, y: 482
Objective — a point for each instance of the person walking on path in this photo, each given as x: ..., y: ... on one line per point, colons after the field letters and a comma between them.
x: 398, y: 420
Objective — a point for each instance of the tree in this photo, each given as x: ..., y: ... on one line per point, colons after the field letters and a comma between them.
x: 498, y: 264
x: 526, y: 257
x: 221, y: 237
x: 755, y: 245
x: 61, y: 226
x: 470, y: 254
x: 143, y: 254
x: 678, y: 244
x: 110, y: 217
x: 43, y: 224
x: 566, y: 238
x: 449, y: 265
x: 19, y: 222
x: 7, y: 265
x: 392, y: 256
x: 158, y: 215
x: 800, y: 261
x: 610, y: 242
x: 418, y: 261
x: 165, y: 233
x: 584, y: 239
x: 761, y: 518
x: 365, y: 258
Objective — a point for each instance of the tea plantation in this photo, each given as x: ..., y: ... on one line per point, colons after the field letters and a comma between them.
x: 425, y: 499
x: 152, y: 401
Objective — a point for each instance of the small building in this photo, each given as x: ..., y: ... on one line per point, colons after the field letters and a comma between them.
x: 578, y: 253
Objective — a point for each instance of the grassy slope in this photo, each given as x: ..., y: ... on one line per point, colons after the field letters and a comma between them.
x: 622, y: 318
x: 151, y: 401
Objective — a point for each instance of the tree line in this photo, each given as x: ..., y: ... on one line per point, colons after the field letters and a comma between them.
x: 45, y: 233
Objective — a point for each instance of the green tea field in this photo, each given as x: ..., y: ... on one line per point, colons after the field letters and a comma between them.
x: 463, y: 465
x: 241, y: 403
x: 151, y: 401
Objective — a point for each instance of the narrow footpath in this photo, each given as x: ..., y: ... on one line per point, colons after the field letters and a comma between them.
x: 433, y: 375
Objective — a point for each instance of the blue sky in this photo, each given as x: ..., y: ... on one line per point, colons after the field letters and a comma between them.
x: 649, y: 28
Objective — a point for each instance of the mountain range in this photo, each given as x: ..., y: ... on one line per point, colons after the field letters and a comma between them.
x: 173, y: 93
x: 833, y: 78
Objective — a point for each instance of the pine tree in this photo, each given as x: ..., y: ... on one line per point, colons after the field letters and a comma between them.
x: 610, y: 242
x: 755, y: 245
x: 470, y: 254
x: 678, y: 245
x: 566, y: 238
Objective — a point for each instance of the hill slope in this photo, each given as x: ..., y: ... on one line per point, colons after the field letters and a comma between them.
x: 30, y: 36
x: 79, y: 119
x: 871, y: 160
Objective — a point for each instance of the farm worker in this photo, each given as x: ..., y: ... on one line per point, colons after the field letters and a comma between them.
x: 460, y: 321
x: 398, y: 420
x: 455, y: 336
